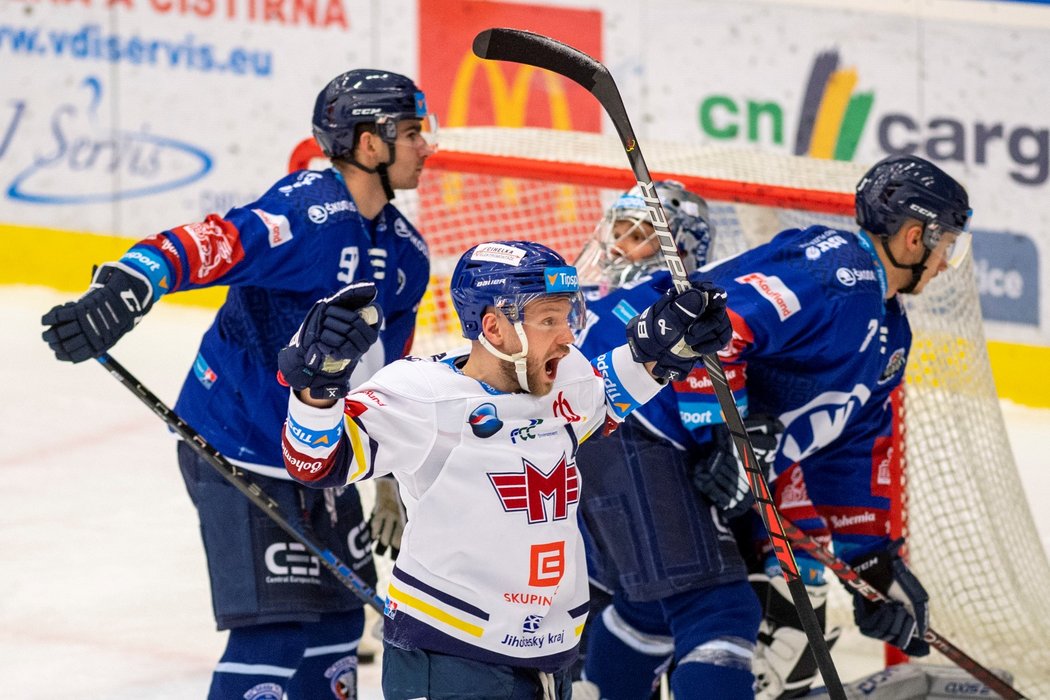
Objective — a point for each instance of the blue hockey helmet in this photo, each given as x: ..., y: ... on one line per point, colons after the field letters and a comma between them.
x: 903, y: 187
x: 507, y: 275
x: 608, y: 260
x: 364, y: 96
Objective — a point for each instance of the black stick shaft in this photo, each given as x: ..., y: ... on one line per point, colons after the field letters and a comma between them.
x: 237, y: 478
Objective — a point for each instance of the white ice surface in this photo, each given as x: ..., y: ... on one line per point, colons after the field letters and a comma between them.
x: 103, y: 587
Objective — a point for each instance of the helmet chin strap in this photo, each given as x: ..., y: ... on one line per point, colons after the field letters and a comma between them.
x: 518, y: 358
x: 916, y: 269
x: 380, y: 169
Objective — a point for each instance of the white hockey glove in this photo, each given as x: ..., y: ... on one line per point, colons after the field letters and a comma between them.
x: 388, y: 517
x: 783, y: 665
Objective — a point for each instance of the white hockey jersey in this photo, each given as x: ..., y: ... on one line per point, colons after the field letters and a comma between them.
x: 492, y: 565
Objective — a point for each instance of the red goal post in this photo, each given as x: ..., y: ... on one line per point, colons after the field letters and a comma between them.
x: 971, y: 537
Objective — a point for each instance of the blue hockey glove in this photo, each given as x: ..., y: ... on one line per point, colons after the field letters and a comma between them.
x: 678, y: 328
x: 117, y: 299
x: 901, y: 622
x: 336, y: 332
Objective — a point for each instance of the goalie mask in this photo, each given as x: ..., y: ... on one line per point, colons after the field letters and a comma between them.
x: 624, y: 245
x: 505, y: 276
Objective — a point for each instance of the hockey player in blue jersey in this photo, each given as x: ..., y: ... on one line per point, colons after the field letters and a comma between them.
x: 821, y: 338
x: 679, y: 586
x: 294, y: 628
x: 489, y: 594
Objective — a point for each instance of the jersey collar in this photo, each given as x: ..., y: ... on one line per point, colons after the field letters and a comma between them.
x: 880, y: 270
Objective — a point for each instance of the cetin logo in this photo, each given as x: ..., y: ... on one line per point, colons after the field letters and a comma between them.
x: 832, y: 120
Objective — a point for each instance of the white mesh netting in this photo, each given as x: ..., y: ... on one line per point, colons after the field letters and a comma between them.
x: 971, y: 537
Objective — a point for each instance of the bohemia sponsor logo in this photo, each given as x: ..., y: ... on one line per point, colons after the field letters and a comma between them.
x: 856, y: 521
x: 699, y: 382
x: 484, y: 422
x: 303, y: 465
x: 213, y: 246
x: 773, y: 289
x: 531, y: 489
x: 289, y: 562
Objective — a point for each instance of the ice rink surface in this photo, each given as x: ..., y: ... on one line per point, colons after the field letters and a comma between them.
x: 103, y: 592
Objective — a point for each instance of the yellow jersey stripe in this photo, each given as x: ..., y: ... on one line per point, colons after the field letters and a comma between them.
x: 411, y: 601
x: 361, y: 455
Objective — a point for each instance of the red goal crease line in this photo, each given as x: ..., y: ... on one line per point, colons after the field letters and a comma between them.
x: 621, y: 179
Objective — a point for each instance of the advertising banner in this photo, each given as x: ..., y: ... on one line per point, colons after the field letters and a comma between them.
x: 122, y: 117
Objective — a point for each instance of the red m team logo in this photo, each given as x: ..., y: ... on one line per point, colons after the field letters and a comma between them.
x: 531, y: 489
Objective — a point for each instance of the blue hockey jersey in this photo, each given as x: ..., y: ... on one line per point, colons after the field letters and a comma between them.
x: 302, y: 240
x: 820, y: 347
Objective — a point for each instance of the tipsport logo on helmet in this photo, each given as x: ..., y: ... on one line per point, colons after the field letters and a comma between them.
x: 561, y: 280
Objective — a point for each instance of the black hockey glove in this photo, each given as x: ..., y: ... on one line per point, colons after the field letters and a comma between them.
x: 336, y: 332
x: 720, y: 478
x: 901, y: 622
x: 117, y: 299
x: 764, y: 431
x: 678, y: 328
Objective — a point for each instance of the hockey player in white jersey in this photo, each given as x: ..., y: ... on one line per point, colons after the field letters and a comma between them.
x: 489, y: 594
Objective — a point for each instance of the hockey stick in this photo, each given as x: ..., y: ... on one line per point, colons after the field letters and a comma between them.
x: 543, y: 52
x: 853, y: 580
x: 236, y: 476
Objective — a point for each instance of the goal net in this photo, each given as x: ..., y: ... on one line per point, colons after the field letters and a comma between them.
x: 970, y: 534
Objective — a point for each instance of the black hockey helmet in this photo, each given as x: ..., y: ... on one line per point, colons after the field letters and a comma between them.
x: 364, y: 96
x: 902, y: 187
